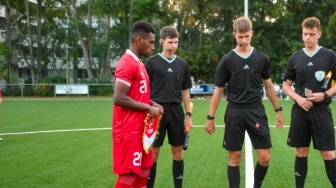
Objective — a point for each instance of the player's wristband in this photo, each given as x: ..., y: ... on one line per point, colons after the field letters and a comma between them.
x: 188, y: 114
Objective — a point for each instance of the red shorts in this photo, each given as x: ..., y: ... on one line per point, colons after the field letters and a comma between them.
x: 129, y: 157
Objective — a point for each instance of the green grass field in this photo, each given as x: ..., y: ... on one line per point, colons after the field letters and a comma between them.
x: 78, y: 154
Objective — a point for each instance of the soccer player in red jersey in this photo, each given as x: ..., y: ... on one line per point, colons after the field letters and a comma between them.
x: 131, y: 105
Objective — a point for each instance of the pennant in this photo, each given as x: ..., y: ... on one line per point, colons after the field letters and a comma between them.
x: 150, y: 132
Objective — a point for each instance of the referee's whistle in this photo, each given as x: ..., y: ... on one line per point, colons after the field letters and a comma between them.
x: 326, y: 81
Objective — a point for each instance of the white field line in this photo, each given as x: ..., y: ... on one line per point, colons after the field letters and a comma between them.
x: 54, y: 131
x: 88, y: 129
x: 249, y: 170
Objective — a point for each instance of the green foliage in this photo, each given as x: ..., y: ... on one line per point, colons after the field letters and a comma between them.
x: 44, y: 90
x: 101, y: 90
x: 205, y: 30
x: 54, y: 80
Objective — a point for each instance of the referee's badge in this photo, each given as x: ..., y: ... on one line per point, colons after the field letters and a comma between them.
x: 319, y: 75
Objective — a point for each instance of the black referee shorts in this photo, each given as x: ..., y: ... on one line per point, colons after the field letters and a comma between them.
x: 172, y: 122
x: 316, y: 124
x: 253, y: 120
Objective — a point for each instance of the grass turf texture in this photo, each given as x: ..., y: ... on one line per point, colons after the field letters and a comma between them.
x: 83, y: 158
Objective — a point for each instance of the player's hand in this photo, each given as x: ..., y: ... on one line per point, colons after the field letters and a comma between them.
x: 210, y: 127
x: 188, y: 124
x: 279, y: 120
x: 316, y: 97
x: 154, y: 111
x: 159, y: 107
x: 305, y: 103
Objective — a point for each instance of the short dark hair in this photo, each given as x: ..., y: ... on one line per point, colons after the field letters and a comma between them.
x: 169, y: 32
x: 142, y: 28
x: 311, y: 23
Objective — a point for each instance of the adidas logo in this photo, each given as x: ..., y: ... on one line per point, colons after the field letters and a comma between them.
x: 179, y: 177
x: 246, y: 67
x: 297, y: 174
x: 310, y: 64
x: 169, y: 70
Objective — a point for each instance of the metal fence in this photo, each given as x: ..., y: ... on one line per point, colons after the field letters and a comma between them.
x: 54, y: 90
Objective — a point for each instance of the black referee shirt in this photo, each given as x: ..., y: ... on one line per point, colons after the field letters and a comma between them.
x: 168, y: 77
x: 243, y: 75
x: 309, y: 70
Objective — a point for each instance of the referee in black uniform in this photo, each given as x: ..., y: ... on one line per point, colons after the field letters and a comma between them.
x: 244, y: 69
x: 311, y: 116
x: 170, y: 83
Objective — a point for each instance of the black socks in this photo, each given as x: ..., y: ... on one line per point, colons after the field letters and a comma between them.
x: 234, y: 176
x: 178, y: 168
x: 259, y: 175
x: 152, y: 175
x: 300, y: 171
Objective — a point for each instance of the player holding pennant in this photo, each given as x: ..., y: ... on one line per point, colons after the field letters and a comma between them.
x: 131, y: 105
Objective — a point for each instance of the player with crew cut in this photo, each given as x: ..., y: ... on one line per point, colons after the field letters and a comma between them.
x: 131, y: 105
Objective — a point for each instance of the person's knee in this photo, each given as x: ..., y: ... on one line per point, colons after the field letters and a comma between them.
x: 264, y: 160
x: 327, y: 155
x: 156, y: 153
x: 235, y: 158
x: 302, y: 152
x: 177, y: 153
x: 141, y: 180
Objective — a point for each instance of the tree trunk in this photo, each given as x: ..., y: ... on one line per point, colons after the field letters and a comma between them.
x: 85, y: 47
x: 30, y: 44
x: 105, y: 71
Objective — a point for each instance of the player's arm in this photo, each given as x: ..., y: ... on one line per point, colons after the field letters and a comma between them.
x: 215, y: 99
x: 121, y: 99
x: 186, y: 103
x: 270, y: 91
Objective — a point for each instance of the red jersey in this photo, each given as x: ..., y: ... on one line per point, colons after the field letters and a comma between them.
x: 128, y: 124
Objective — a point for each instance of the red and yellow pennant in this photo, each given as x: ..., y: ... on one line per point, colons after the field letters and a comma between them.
x: 150, y: 132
